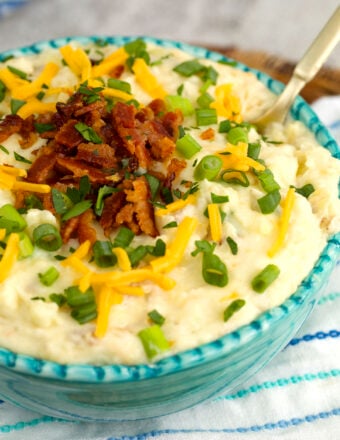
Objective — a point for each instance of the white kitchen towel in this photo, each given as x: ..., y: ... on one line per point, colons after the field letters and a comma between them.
x: 296, y: 396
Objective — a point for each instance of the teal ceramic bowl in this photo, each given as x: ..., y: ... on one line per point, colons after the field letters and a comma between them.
x: 121, y: 393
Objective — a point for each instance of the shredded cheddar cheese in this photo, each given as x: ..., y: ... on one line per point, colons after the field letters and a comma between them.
x: 109, y: 63
x: 9, y: 256
x: 32, y: 187
x: 34, y: 106
x: 215, y: 222
x: 78, y: 61
x: 107, y: 297
x: 176, y: 206
x: 147, y: 80
x: 287, y: 208
x: 227, y: 104
x: 123, y: 259
x: 20, y: 172
x: 2, y: 234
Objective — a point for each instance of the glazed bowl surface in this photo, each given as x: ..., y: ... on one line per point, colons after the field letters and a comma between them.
x: 120, y: 392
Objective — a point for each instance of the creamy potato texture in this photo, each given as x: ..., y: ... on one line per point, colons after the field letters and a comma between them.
x: 216, y: 225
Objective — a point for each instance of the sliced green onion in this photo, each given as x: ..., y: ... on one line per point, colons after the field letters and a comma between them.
x: 11, y: 220
x: 169, y: 225
x: 235, y: 177
x: 77, y: 209
x: 305, y: 190
x: 204, y: 100
x: 58, y: 298
x: 187, y: 146
x: 118, y: 84
x: 254, y: 149
x: 189, y: 68
x: 25, y: 246
x: 88, y: 133
x: 176, y: 102
x: 123, y: 238
x: 136, y: 255
x: 61, y: 202
x: 206, y: 116
x: 232, y: 245
x: 49, y: 276
x: 85, y: 313
x: 234, y: 307
x: 156, y: 317
x: 236, y: 135
x: 224, y: 126
x: 209, y: 74
x: 154, y: 341
x: 265, y: 278
x: 215, y: 198
x: 180, y: 89
x: 208, y: 168
x: 203, y: 246
x: 269, y: 202
x: 47, y: 237
x: 75, y: 297
x: 267, y: 180
x: 214, y: 271
x: 159, y: 249
x: 103, y: 255
x: 15, y: 105
x: 42, y: 128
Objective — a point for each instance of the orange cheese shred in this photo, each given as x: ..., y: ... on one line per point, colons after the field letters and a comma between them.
x: 9, y: 256
x: 215, y: 222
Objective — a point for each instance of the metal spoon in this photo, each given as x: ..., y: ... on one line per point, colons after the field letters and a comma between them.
x: 304, y: 71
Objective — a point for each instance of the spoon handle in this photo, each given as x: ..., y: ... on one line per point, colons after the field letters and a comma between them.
x: 320, y: 49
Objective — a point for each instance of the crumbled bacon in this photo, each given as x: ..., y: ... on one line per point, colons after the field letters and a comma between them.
x: 128, y: 141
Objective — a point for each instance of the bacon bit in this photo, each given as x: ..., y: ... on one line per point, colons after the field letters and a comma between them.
x: 112, y: 206
x: 117, y: 71
x: 78, y: 168
x: 9, y: 125
x: 86, y: 231
x: 27, y: 133
x: 208, y: 134
x: 68, y: 229
x: 101, y: 155
x: 175, y: 167
x: 42, y: 169
x: 68, y: 135
x: 142, y: 208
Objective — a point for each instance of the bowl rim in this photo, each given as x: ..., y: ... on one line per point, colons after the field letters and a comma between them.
x: 229, y: 342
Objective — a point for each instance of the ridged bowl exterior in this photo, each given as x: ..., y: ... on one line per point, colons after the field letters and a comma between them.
x: 121, y: 393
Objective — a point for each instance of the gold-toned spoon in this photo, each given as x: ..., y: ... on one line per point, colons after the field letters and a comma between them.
x: 304, y: 71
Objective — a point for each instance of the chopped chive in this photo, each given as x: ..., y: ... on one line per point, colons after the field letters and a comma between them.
x: 85, y: 313
x: 203, y: 246
x: 215, y: 198
x: 4, y: 149
x: 47, y: 237
x: 49, y: 276
x: 159, y: 249
x: 236, y: 135
x: 102, y: 193
x: 189, y: 68
x: 170, y: 225
x: 209, y: 74
x: 154, y: 184
x: 75, y: 297
x: 269, y: 202
x: 176, y: 102
x: 88, y: 133
x: 265, y: 278
x: 156, y: 317
x: 21, y: 74
x: 20, y: 158
x: 154, y: 341
x: 103, y: 255
x: 40, y: 95
x: 136, y: 255
x: 15, y: 105
x: 232, y: 245
x: 77, y: 209
x: 214, y: 271
x: 2, y: 91
x: 61, y: 201
x: 234, y: 307
x: 11, y: 220
x: 208, y: 167
x: 187, y: 146
x: 118, y: 84
x: 206, y: 116
x: 42, y: 128
x: 180, y: 89
x: 123, y: 238
x: 305, y: 190
x: 58, y: 298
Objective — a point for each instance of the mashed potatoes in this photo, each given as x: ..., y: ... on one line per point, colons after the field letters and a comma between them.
x: 168, y: 220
